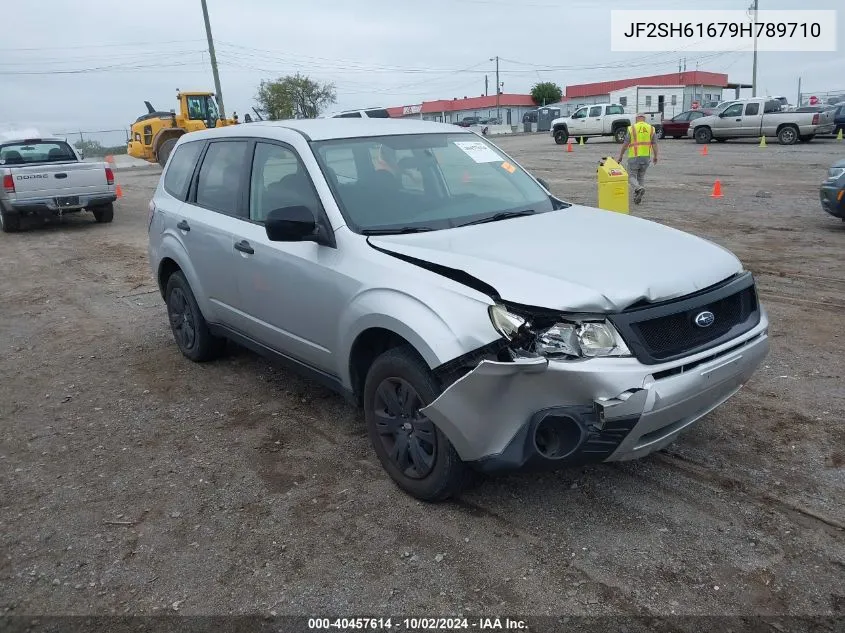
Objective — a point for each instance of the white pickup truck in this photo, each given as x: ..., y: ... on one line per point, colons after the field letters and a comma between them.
x: 47, y: 177
x: 600, y: 119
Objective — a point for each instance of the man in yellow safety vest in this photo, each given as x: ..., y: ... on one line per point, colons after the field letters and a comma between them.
x: 641, y: 143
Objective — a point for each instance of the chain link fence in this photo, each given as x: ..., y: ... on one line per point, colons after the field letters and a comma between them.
x: 831, y: 97
x: 97, y: 143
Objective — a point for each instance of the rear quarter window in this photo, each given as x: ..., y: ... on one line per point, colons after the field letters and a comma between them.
x: 180, y: 169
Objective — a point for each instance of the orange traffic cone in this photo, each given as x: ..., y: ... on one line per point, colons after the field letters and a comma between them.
x: 118, y: 191
x: 569, y: 146
x: 717, y: 190
x: 704, y: 150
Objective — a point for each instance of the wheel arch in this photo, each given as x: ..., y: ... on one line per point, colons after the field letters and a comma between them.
x: 381, y: 319
x: 172, y: 257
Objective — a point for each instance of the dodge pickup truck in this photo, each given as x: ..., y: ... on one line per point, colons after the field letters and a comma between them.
x: 600, y: 119
x: 47, y: 177
x: 756, y: 117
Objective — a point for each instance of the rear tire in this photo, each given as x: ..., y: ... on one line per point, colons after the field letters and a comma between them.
x: 561, y: 136
x: 187, y: 323
x: 703, y: 135
x: 10, y: 222
x: 414, y: 452
x: 787, y: 135
x: 165, y: 150
x: 104, y: 214
x: 661, y: 133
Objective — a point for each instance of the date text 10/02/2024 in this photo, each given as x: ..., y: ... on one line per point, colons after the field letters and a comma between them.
x: 417, y: 624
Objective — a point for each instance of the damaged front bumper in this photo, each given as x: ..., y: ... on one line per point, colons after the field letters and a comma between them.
x: 537, y: 412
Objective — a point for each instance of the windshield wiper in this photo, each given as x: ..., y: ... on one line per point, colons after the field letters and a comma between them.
x: 396, y: 231
x: 504, y: 215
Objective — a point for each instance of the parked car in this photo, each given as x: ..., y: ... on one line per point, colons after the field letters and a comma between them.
x: 832, y: 192
x: 47, y: 177
x: 434, y: 293
x: 367, y: 113
x: 601, y: 119
x: 756, y: 117
x: 469, y: 121
x: 677, y: 126
x: 839, y: 118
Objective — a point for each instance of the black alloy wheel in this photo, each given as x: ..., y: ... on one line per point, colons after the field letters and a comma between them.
x: 408, y: 437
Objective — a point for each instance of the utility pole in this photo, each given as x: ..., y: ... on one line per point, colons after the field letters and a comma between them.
x: 498, y: 114
x: 798, y: 103
x: 486, y: 89
x: 754, y: 6
x: 217, y: 89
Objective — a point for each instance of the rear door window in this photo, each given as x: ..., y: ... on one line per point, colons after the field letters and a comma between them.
x: 218, y: 184
x: 180, y: 169
x: 752, y: 109
x: 595, y: 111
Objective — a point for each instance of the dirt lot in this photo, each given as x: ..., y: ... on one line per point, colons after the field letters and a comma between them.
x: 134, y: 481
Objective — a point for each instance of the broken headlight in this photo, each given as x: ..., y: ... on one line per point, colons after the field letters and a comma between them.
x: 576, y: 338
x: 581, y: 339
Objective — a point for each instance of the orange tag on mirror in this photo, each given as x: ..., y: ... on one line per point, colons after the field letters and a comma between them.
x: 508, y: 167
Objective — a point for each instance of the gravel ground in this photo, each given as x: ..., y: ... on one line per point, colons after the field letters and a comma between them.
x: 133, y: 481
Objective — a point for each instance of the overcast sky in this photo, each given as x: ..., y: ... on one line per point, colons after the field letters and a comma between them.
x: 82, y: 64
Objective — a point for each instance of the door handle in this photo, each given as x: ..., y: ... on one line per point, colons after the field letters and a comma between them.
x: 183, y: 226
x: 244, y: 247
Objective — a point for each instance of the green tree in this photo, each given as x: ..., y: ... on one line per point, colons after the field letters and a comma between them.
x: 546, y: 92
x: 294, y: 97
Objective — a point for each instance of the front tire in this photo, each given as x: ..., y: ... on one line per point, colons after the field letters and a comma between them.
x: 703, y: 135
x: 187, y: 323
x: 104, y: 214
x: 414, y: 452
x: 10, y: 222
x: 561, y: 136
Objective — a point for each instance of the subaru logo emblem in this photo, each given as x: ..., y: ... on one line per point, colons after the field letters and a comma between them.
x: 704, y: 319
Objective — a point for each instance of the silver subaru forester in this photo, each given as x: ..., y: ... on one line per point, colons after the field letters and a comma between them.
x: 482, y: 323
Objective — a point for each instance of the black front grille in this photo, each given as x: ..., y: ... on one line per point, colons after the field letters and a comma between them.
x: 676, y: 333
x: 668, y: 331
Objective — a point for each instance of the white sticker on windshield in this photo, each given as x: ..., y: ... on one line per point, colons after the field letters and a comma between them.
x: 479, y: 152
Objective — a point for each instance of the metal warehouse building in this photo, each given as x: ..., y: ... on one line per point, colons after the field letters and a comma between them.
x: 670, y: 94
x: 511, y: 109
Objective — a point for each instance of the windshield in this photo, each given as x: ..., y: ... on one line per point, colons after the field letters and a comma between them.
x: 26, y: 152
x: 425, y: 181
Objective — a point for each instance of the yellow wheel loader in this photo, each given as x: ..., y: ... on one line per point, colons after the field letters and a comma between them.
x: 154, y: 134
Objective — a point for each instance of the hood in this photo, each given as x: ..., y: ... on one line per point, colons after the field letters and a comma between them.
x: 575, y: 259
x: 709, y: 118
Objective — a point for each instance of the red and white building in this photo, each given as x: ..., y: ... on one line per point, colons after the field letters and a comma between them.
x: 511, y: 108
x: 670, y: 93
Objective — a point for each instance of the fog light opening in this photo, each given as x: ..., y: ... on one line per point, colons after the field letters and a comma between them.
x: 556, y: 437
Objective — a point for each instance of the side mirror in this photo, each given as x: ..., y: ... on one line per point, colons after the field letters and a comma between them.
x: 544, y: 183
x: 291, y: 224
